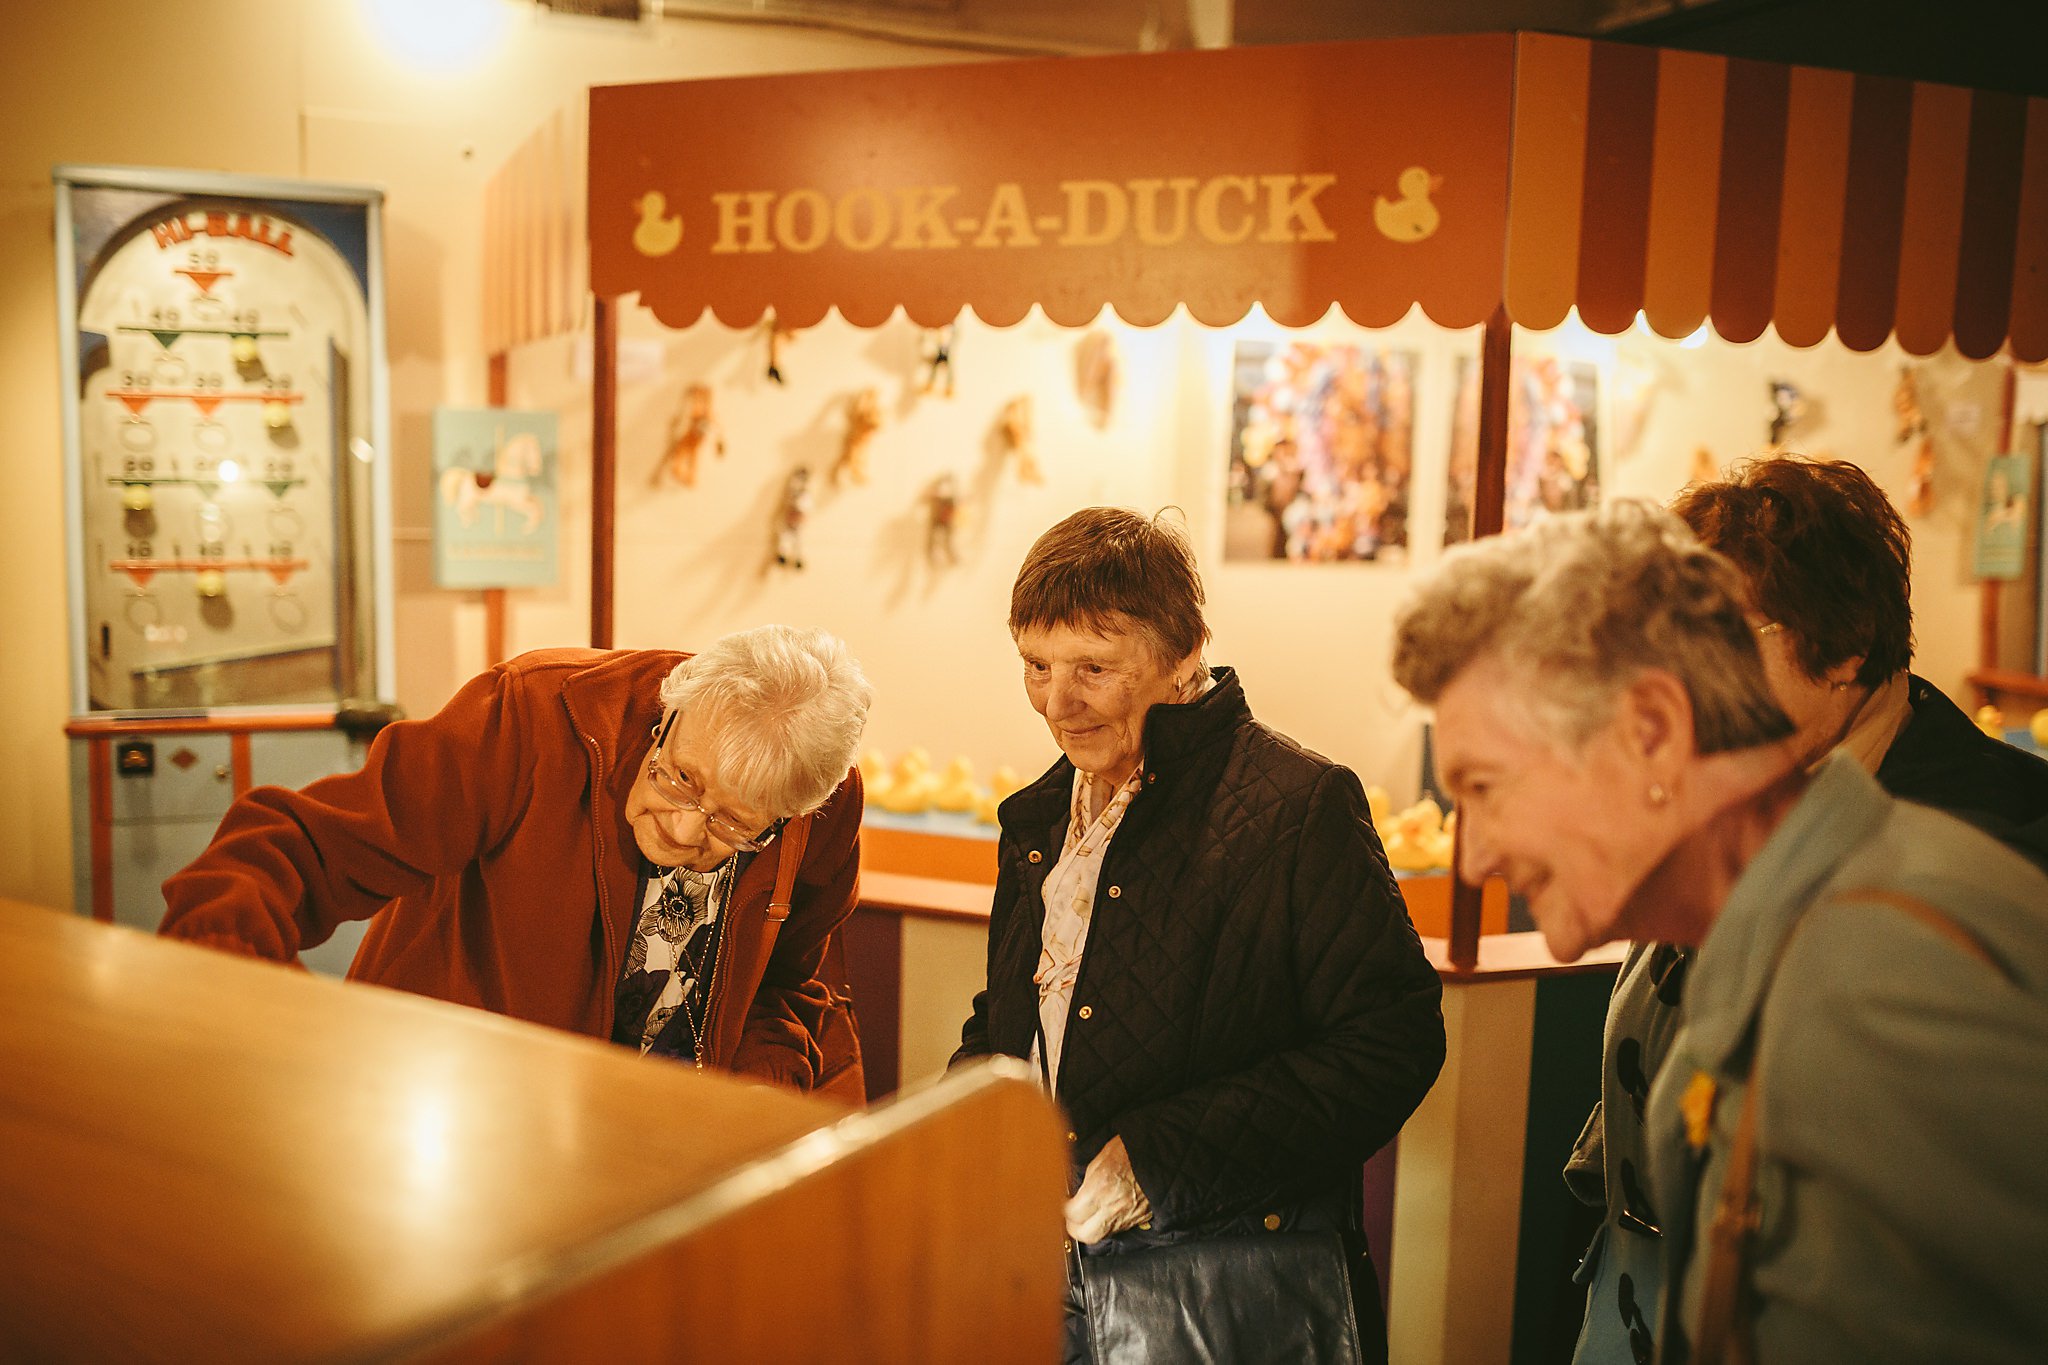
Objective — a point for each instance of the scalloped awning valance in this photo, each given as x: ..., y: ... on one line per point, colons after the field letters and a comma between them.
x: 1460, y: 174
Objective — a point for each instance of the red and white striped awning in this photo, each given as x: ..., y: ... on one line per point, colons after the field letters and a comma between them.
x: 1529, y: 172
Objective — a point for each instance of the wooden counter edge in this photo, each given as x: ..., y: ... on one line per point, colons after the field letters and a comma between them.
x: 533, y: 1280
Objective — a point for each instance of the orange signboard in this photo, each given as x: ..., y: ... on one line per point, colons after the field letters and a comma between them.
x: 1371, y: 176
x: 1675, y: 186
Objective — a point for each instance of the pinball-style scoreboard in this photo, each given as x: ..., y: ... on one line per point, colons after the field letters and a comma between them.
x: 227, y: 484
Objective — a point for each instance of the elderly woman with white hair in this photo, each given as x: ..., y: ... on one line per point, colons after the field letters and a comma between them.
x: 1846, y: 1137
x: 645, y: 846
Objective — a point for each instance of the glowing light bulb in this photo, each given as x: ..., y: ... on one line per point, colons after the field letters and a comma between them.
x: 438, y: 35
x: 228, y: 470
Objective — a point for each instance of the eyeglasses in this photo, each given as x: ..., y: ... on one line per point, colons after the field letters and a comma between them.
x: 683, y: 794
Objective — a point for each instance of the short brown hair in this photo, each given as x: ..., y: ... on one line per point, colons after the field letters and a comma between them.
x: 1104, y: 567
x: 1826, y: 555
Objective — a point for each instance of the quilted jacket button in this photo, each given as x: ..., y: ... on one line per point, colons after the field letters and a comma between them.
x: 1151, y: 777
x: 1073, y: 1137
x: 1272, y: 1222
x: 1115, y: 891
x: 1036, y: 856
x: 1085, y: 1012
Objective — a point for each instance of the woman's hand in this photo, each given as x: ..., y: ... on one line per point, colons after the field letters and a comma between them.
x: 1109, y: 1199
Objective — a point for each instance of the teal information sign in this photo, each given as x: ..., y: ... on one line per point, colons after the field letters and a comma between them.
x: 496, y: 505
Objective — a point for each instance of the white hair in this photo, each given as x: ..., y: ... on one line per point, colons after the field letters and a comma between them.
x: 1579, y: 604
x: 781, y: 711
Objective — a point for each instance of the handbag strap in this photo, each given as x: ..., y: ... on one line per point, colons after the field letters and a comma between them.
x: 1724, y: 1329
x: 795, y: 836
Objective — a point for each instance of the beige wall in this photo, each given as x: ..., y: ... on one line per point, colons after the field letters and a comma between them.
x: 1311, y: 641
x: 293, y: 88
x: 301, y: 89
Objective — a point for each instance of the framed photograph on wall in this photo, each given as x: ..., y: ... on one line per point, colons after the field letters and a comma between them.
x: 1321, y: 453
x: 1553, y: 442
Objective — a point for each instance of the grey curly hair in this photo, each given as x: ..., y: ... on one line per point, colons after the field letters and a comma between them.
x: 1579, y: 605
x: 782, y: 710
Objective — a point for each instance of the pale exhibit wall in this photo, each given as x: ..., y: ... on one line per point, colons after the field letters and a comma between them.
x: 302, y: 90
x: 1311, y: 641
x: 295, y: 90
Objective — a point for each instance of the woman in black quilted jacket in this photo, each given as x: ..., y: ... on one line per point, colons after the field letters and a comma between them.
x: 1196, y: 938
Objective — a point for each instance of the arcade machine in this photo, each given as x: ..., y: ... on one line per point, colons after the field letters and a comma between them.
x: 227, y: 475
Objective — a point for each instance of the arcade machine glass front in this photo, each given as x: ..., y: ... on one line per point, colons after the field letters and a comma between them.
x: 227, y: 489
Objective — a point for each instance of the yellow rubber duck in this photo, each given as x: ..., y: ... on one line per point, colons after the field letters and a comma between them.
x: 1991, y: 721
x: 957, y: 790
x: 911, y: 784
x: 1416, y: 839
x: 2039, y: 725
x: 656, y: 234
x: 874, y: 773
x: 1380, y: 804
x: 1001, y: 784
x: 1411, y: 217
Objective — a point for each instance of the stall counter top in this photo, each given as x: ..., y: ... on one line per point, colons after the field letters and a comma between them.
x: 310, y: 1170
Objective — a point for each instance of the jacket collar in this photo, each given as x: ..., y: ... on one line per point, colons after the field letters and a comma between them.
x: 1175, y: 733
x: 1733, y: 971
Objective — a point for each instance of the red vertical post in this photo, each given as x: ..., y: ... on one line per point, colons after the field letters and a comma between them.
x: 1489, y: 504
x: 494, y: 598
x: 604, y: 471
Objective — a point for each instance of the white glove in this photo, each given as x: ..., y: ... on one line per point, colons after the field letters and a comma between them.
x: 1109, y: 1199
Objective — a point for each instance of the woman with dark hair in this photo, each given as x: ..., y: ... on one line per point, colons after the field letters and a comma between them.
x: 1826, y: 565
x: 1197, y: 940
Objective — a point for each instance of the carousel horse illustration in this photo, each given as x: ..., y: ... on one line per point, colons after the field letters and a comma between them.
x: 506, y: 488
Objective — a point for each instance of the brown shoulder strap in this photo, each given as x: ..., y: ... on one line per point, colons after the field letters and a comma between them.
x: 1723, y: 1334
x: 795, y: 836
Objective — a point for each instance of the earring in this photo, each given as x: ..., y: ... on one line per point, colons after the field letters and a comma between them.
x: 1658, y: 795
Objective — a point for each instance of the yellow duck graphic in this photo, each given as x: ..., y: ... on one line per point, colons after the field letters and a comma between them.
x: 1411, y: 217
x: 656, y: 235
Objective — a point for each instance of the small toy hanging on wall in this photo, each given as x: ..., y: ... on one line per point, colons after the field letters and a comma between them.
x: 1788, y: 409
x: 778, y: 335
x: 693, y: 428
x: 938, y: 357
x: 863, y: 420
x: 942, y: 506
x: 1705, y: 468
x: 1014, y: 426
x: 1913, y: 423
x: 790, y: 516
x: 1096, y: 375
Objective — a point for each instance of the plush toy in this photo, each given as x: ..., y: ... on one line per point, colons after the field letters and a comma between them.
x: 938, y: 357
x: 789, y: 518
x: 777, y: 335
x: 1788, y: 409
x: 863, y: 420
x: 1705, y: 468
x: 1095, y: 375
x: 942, y: 505
x: 1015, y: 428
x: 693, y: 428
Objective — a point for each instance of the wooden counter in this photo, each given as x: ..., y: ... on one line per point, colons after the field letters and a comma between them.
x: 208, y: 1158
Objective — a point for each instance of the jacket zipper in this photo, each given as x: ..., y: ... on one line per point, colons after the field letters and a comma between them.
x: 604, y: 916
